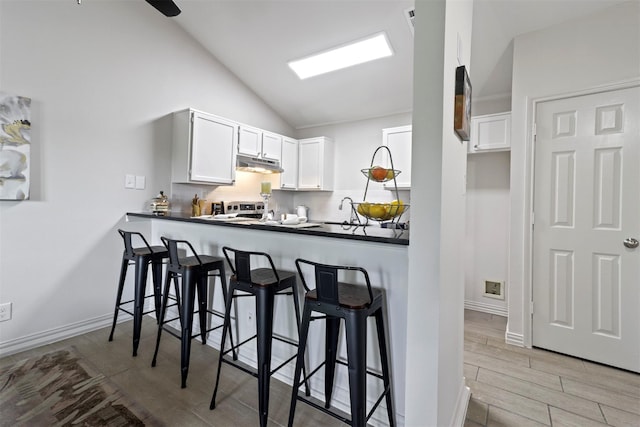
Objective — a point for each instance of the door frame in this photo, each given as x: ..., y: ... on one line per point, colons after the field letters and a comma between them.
x: 525, y: 340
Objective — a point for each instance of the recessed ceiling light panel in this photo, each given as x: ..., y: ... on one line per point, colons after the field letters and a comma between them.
x: 366, y: 50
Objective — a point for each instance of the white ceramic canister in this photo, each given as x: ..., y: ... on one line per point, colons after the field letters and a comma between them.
x: 302, y: 211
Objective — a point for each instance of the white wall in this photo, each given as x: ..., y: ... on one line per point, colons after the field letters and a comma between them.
x: 487, y: 229
x: 103, y: 78
x: 435, y: 390
x: 596, y: 50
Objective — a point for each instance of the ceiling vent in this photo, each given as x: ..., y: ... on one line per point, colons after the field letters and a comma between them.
x: 410, y: 14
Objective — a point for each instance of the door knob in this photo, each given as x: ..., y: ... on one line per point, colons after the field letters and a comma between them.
x: 631, y: 243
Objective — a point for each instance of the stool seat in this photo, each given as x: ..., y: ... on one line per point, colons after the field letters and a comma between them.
x: 141, y: 257
x: 350, y: 296
x: 264, y: 284
x: 267, y: 277
x: 194, y: 270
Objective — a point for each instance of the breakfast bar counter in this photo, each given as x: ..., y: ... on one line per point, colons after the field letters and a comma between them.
x: 369, y: 233
x: 382, y: 252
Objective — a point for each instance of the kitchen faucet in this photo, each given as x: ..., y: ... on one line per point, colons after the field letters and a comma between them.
x: 353, y: 215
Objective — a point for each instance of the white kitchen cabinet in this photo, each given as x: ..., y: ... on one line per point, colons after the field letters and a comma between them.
x: 250, y: 141
x: 398, y: 140
x: 271, y: 146
x: 289, y: 178
x: 315, y: 164
x: 204, y: 148
x: 259, y: 143
x: 491, y: 132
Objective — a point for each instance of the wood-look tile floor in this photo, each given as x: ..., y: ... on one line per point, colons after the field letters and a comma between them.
x: 513, y: 386
x: 510, y: 386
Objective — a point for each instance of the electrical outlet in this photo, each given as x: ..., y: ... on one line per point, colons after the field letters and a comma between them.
x: 5, y: 311
x: 140, y: 182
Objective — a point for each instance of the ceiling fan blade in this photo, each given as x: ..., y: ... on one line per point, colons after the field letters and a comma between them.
x: 166, y: 7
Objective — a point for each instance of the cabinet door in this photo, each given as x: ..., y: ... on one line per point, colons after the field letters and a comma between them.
x: 490, y: 133
x: 289, y: 178
x: 271, y: 146
x: 250, y: 141
x: 309, y: 165
x: 398, y: 140
x: 213, y: 145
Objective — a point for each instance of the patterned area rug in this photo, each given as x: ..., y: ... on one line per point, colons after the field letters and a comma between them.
x: 61, y: 389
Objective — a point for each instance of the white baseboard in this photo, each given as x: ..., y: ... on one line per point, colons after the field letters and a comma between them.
x: 462, y: 403
x: 514, y: 339
x: 53, y: 335
x: 486, y: 308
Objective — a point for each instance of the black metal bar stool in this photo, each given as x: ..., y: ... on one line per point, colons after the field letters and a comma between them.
x: 140, y: 257
x: 264, y: 284
x: 195, y: 271
x: 354, y: 304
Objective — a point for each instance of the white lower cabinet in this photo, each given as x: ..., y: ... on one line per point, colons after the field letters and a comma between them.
x: 491, y: 132
x: 204, y: 148
x: 398, y: 140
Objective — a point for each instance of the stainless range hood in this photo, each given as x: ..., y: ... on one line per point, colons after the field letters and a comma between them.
x: 254, y: 164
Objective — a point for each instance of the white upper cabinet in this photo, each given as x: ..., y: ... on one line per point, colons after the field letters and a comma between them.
x: 271, y: 146
x: 491, y: 132
x: 398, y: 140
x: 250, y: 141
x: 289, y: 178
x: 203, y: 149
x: 259, y: 143
x: 315, y: 164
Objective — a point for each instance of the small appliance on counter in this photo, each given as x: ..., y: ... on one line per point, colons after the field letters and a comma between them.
x: 302, y: 211
x: 160, y: 204
x: 217, y: 208
x: 242, y: 209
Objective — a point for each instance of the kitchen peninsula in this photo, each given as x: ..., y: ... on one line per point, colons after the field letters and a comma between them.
x: 382, y: 252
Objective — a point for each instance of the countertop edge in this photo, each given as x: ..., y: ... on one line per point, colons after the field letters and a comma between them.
x: 315, y: 231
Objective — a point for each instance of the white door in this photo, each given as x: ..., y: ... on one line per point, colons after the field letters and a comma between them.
x: 586, y: 282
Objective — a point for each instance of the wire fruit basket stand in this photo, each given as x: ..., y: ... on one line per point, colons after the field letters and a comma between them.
x: 390, y: 212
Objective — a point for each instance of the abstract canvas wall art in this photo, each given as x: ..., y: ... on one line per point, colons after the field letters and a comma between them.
x: 15, y: 146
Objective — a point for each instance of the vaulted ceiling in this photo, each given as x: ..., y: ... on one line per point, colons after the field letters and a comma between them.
x: 256, y: 38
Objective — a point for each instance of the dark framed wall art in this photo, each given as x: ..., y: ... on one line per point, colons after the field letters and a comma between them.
x: 462, y: 111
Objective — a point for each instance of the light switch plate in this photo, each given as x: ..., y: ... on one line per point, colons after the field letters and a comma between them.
x: 140, y: 182
x: 129, y: 181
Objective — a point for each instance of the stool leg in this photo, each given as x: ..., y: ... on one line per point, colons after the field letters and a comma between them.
x: 202, y: 305
x: 223, y: 283
x: 163, y: 313
x: 296, y: 305
x: 384, y: 358
x: 331, y: 354
x: 264, y: 329
x: 188, y: 302
x: 356, y: 333
x: 138, y: 303
x: 302, y: 345
x: 123, y: 274
x: 226, y: 325
x: 156, y: 273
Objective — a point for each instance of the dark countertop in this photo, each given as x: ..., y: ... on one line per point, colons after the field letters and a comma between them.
x: 370, y: 233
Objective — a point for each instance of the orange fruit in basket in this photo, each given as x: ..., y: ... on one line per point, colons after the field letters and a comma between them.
x: 378, y: 173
